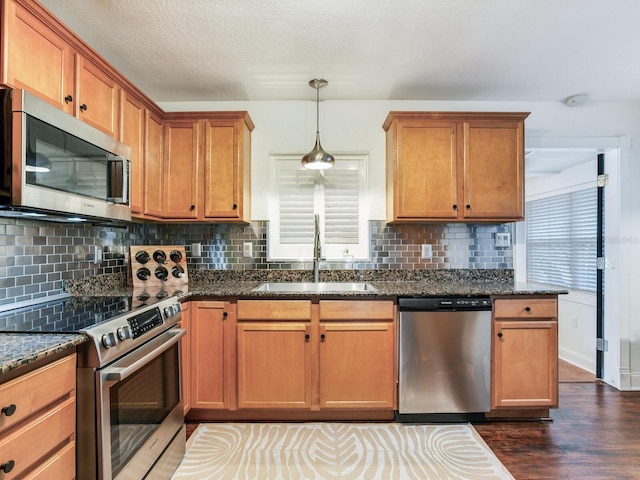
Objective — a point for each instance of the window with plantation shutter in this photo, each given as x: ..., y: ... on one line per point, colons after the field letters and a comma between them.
x: 561, y: 240
x: 337, y: 195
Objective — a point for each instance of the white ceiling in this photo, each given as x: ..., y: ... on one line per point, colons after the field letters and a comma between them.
x: 521, y: 50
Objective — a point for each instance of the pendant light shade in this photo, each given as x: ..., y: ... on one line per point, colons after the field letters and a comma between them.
x: 318, y: 159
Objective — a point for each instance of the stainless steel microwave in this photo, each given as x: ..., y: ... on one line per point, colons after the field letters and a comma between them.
x: 56, y: 167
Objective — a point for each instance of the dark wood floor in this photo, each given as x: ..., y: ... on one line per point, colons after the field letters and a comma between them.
x: 595, y: 434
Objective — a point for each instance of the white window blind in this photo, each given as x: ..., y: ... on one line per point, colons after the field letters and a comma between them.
x: 561, y: 240
x: 338, y: 195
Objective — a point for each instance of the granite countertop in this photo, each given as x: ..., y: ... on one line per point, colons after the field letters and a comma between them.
x: 389, y: 283
x: 21, y: 349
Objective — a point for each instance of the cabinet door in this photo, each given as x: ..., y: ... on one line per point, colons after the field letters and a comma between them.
x: 357, y: 365
x: 132, y: 134
x: 185, y: 357
x: 425, y: 171
x: 36, y: 58
x: 153, y: 155
x: 221, y: 169
x: 97, y: 97
x: 525, y: 364
x: 180, y: 176
x: 210, y: 352
x: 493, y: 170
x: 274, y: 365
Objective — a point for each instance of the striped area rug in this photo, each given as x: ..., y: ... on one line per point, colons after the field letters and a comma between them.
x: 328, y: 451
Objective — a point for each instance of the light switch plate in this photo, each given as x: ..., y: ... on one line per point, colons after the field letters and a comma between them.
x: 427, y: 251
x: 247, y: 249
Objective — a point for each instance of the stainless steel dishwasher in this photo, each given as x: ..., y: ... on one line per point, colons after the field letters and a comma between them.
x: 445, y: 359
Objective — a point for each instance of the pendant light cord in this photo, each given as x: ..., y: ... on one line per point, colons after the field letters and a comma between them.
x: 317, y: 110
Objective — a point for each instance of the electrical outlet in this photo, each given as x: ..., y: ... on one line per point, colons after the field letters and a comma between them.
x: 196, y: 249
x: 427, y: 251
x: 97, y: 254
x: 247, y: 249
x: 503, y: 239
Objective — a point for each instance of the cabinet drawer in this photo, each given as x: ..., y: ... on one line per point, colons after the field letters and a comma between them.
x: 35, y: 390
x: 281, y: 310
x: 356, y: 310
x: 31, y: 443
x: 525, y: 308
x: 60, y: 466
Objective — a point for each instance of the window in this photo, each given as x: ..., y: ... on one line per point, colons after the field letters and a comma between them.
x: 561, y: 240
x: 338, y: 195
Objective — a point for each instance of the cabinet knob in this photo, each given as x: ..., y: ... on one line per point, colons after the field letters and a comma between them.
x: 527, y: 309
x: 500, y: 334
x: 235, y: 206
x: 224, y: 314
x: 468, y: 207
x: 9, y: 410
x: 306, y: 337
x: 68, y: 99
x: 192, y: 208
x: 83, y: 107
x: 322, y: 337
x: 455, y: 207
x: 7, y: 467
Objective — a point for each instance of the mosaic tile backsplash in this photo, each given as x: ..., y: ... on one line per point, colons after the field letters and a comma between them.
x: 36, y: 257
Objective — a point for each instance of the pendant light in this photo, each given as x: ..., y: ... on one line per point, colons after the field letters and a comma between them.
x: 318, y: 159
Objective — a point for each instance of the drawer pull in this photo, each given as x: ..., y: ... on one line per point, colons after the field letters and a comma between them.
x: 9, y: 410
x: 7, y: 467
x: 527, y: 309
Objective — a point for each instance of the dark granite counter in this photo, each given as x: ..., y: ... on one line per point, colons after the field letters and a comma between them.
x: 18, y: 350
x: 389, y: 283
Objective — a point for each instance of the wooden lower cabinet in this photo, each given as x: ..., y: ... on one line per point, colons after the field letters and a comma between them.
x: 357, y: 365
x: 38, y: 429
x: 330, y: 355
x: 212, y: 355
x: 185, y: 357
x: 525, y: 353
x: 274, y: 365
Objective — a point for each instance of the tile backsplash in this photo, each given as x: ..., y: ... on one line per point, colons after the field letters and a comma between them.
x: 36, y: 257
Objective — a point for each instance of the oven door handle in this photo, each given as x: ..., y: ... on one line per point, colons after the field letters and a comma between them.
x: 118, y: 372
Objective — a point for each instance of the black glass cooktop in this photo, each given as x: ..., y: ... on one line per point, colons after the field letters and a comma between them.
x: 64, y: 316
x: 70, y: 314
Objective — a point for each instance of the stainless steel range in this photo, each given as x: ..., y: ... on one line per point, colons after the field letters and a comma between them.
x: 130, y: 422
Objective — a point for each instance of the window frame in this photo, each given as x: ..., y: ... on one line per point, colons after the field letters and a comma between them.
x: 277, y: 251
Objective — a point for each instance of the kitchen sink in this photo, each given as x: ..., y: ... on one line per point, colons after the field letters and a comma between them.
x: 316, y: 287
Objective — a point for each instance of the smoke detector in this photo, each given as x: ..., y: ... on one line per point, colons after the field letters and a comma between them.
x: 576, y: 100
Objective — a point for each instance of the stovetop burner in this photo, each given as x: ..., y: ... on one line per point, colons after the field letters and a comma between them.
x: 70, y: 315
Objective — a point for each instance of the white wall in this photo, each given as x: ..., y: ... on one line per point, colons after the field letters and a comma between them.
x: 356, y: 126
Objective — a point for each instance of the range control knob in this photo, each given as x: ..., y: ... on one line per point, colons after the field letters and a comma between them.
x: 124, y: 332
x: 109, y: 340
x: 172, y: 310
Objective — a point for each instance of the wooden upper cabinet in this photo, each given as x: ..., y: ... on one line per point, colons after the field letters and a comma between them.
x: 181, y: 169
x: 97, y: 97
x: 44, y: 61
x: 36, y: 58
x: 227, y: 167
x: 153, y: 161
x: 455, y: 166
x: 132, y: 122
x: 207, y: 171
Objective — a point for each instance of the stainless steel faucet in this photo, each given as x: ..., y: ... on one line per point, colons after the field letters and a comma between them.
x: 317, y: 249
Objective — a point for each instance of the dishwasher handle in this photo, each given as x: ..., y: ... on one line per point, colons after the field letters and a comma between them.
x: 444, y: 304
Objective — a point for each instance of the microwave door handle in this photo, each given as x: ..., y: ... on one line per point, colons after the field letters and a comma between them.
x: 117, y: 373
x: 124, y: 171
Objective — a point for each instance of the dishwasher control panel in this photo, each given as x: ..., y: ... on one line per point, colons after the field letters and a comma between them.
x: 432, y: 304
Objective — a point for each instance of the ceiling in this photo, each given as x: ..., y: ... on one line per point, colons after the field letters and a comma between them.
x: 490, y: 50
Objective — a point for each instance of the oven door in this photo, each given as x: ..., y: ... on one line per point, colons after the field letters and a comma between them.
x: 139, y: 408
